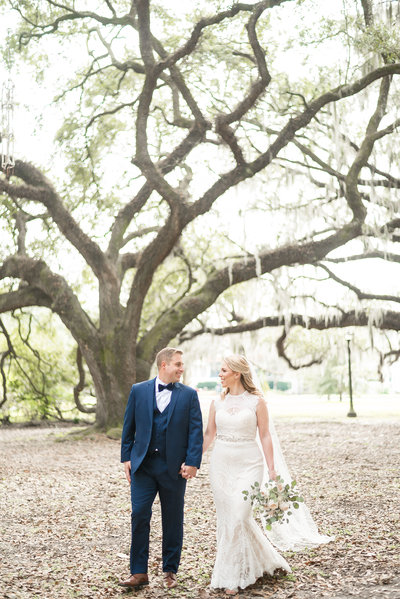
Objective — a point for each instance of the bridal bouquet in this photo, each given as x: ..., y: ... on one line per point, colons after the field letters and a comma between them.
x: 274, y: 504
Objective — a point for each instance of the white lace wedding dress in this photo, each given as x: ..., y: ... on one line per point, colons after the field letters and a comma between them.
x: 243, y: 551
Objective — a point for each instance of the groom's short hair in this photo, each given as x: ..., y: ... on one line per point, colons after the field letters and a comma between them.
x: 165, y: 355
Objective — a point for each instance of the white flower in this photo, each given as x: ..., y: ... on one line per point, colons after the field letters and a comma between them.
x: 280, y: 487
x: 284, y: 506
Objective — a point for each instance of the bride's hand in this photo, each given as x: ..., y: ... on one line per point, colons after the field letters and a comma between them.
x: 272, y: 474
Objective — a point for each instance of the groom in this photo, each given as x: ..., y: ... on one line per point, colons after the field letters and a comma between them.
x: 161, y: 448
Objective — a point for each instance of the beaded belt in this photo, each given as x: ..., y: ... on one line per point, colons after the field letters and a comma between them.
x: 234, y: 439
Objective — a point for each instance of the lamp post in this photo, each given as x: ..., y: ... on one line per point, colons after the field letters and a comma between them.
x: 351, y: 413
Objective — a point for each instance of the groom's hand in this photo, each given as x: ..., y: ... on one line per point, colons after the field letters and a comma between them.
x: 188, y: 471
x: 127, y: 468
x: 182, y: 471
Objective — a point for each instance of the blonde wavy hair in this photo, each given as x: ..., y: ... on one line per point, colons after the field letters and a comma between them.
x: 238, y: 363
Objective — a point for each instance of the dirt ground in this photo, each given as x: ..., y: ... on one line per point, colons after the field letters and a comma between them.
x: 65, y: 514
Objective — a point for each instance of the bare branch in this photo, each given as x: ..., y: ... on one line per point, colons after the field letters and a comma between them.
x: 387, y: 256
x: 142, y: 158
x: 264, y: 79
x: 389, y: 320
x: 388, y: 180
x: 20, y: 220
x: 91, y: 72
x: 25, y: 296
x: 81, y: 385
x: 110, y: 6
x: 280, y: 345
x: 71, y: 15
x: 220, y: 279
x: 47, y: 285
x: 386, y: 131
x: 368, y: 12
x: 128, y: 260
x: 360, y: 294
x: 4, y: 355
x: 124, y: 218
x: 286, y: 135
x: 245, y: 55
x: 352, y: 193
x: 140, y: 233
x: 258, y: 87
x: 114, y: 110
x: 39, y: 189
x: 391, y: 226
x: 191, y: 43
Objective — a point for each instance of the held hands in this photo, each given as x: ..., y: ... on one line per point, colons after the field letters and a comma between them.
x: 187, y: 471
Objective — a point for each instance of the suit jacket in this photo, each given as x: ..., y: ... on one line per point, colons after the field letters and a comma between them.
x: 184, y: 439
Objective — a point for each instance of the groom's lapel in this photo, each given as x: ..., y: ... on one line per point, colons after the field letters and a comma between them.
x: 174, y: 396
x: 150, y: 398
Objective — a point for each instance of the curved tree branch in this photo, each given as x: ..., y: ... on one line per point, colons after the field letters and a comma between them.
x: 41, y: 30
x: 387, y: 256
x: 352, y: 194
x: 39, y: 189
x: 360, y: 294
x: 219, y: 280
x: 280, y: 346
x: 4, y: 355
x: 53, y: 290
x: 81, y: 385
x: 242, y: 172
x: 257, y: 88
x: 22, y: 298
x: 388, y: 320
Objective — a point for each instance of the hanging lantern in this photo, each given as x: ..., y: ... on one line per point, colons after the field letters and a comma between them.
x: 7, y: 124
x: 7, y: 134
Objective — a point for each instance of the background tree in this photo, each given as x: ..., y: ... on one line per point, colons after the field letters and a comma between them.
x: 173, y: 126
x: 37, y: 370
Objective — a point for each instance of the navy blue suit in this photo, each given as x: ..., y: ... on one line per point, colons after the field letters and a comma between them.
x: 156, y: 445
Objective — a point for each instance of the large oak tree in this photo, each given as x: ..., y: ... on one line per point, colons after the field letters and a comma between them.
x: 164, y: 118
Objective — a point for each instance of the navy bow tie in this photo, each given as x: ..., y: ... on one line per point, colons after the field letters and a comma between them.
x: 161, y: 387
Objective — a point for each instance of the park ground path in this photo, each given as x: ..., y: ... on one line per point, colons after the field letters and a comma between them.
x: 65, y: 513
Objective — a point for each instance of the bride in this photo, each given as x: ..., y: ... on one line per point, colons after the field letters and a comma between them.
x: 237, y: 461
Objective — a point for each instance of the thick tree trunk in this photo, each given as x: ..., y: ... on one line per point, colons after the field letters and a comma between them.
x: 114, y: 369
x: 112, y: 395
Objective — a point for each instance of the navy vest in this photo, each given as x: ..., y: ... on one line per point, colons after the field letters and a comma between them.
x: 159, y: 430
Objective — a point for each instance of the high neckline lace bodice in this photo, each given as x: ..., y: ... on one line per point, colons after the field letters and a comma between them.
x: 236, y: 418
x: 239, y: 402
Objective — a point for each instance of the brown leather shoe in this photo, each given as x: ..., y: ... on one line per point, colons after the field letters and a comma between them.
x: 135, y: 581
x: 170, y: 580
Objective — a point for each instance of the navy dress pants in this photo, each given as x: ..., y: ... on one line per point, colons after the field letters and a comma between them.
x: 152, y: 477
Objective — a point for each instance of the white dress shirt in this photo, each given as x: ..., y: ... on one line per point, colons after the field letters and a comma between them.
x: 162, y: 397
